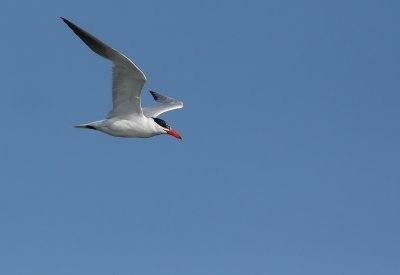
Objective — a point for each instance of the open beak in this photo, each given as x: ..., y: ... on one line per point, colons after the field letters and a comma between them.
x: 174, y: 134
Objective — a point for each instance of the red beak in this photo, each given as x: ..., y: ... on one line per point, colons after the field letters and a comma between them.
x: 174, y: 134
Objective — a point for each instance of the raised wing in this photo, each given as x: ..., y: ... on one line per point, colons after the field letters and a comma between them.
x: 168, y: 104
x: 128, y: 79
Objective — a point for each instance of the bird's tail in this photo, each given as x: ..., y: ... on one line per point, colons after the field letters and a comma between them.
x: 87, y: 126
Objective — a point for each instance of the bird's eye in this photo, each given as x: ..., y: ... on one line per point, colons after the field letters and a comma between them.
x: 161, y: 122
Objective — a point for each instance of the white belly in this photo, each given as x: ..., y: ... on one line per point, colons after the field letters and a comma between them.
x: 142, y: 128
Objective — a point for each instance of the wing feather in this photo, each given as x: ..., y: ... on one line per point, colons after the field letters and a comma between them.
x: 167, y: 104
x: 128, y: 79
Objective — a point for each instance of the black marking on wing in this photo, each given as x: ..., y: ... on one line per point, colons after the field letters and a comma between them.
x: 155, y: 95
x: 92, y: 42
x: 162, y: 98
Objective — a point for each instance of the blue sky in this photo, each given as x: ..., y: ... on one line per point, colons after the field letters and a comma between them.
x: 290, y: 158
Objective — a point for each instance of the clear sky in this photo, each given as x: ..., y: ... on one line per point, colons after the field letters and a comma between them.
x: 291, y: 150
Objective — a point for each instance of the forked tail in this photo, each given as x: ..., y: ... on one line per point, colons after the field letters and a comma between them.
x: 87, y: 126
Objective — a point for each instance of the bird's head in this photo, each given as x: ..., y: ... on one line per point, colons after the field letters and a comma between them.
x: 165, y: 128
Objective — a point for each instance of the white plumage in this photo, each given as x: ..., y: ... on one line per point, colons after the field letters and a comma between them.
x: 127, y: 118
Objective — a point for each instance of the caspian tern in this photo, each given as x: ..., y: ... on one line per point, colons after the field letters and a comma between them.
x: 127, y: 118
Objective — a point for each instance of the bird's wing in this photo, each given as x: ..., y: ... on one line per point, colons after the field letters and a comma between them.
x: 127, y: 78
x: 168, y: 104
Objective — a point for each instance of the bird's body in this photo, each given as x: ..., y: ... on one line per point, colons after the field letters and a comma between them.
x: 127, y: 118
x: 142, y: 127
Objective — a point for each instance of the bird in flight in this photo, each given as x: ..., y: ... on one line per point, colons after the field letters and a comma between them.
x: 127, y: 117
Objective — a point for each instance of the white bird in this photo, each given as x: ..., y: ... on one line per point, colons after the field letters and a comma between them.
x: 127, y: 118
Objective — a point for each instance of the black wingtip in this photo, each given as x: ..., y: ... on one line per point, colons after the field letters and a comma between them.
x: 69, y: 23
x: 155, y: 95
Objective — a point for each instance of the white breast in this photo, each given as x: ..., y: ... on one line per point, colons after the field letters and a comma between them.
x: 142, y: 128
